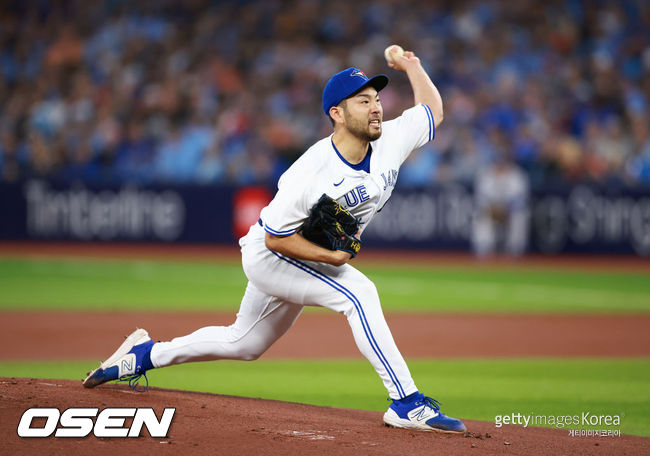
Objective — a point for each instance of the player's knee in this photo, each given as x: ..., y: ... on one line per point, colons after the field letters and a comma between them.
x: 369, y: 297
x: 363, y: 293
x: 368, y: 292
x: 251, y: 353
x: 250, y: 356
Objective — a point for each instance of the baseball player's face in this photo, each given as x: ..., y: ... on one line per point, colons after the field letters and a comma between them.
x: 363, y: 114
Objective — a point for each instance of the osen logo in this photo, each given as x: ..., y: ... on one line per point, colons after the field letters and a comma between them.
x: 78, y: 422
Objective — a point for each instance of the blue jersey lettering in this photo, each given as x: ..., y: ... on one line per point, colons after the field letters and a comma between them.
x: 391, y: 180
x: 356, y: 195
x: 363, y: 193
x: 351, y: 198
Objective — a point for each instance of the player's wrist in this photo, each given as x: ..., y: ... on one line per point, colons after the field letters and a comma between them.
x: 341, y: 257
x: 414, y: 68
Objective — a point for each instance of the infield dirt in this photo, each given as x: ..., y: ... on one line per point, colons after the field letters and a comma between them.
x: 327, y: 334
x: 209, y: 424
x: 215, y: 424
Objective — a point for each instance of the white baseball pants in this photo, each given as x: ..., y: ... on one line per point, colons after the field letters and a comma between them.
x: 278, y: 289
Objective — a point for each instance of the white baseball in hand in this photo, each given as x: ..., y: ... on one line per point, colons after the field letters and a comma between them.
x: 396, y: 49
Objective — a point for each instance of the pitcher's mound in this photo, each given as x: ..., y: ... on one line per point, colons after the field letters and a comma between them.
x: 209, y: 424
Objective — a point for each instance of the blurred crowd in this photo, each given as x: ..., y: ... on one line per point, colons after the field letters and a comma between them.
x: 197, y: 91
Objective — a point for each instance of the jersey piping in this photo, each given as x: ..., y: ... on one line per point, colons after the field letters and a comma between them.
x: 363, y: 165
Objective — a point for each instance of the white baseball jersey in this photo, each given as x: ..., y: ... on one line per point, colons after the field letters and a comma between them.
x: 321, y: 169
x: 279, y: 287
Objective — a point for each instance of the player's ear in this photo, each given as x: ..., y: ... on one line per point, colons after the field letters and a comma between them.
x: 336, y: 114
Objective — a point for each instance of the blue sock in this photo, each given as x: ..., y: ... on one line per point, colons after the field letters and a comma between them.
x: 410, y: 398
x: 146, y: 359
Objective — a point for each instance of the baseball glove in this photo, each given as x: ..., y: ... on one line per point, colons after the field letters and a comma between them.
x: 332, y: 226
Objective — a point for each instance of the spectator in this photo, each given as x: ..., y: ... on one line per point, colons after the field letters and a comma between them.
x: 566, y: 82
x: 502, y: 215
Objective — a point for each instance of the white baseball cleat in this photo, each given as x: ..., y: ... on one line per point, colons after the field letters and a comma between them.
x: 129, y: 362
x: 420, y: 412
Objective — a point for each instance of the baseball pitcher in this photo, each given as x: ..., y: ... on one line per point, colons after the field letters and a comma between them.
x: 298, y: 253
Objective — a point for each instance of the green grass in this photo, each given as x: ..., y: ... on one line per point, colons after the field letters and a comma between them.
x: 128, y: 285
x: 508, y: 290
x: 472, y: 389
x: 167, y: 286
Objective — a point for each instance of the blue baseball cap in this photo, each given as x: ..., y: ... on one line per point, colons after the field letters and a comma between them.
x: 347, y: 82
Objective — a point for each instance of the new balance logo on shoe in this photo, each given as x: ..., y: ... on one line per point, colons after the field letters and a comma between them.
x: 424, y: 413
x: 127, y: 365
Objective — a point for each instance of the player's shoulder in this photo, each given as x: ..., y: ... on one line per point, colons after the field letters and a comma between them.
x: 310, y: 164
x: 394, y: 129
x: 314, y: 159
x: 414, y: 122
x: 419, y: 110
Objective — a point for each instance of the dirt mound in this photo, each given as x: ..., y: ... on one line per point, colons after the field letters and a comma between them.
x: 215, y: 424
